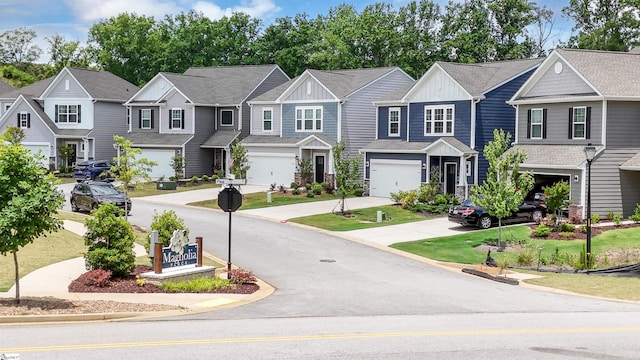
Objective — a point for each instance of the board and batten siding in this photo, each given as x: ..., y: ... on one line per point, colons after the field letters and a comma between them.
x: 60, y: 89
x: 623, y: 124
x: 309, y: 90
x: 199, y: 161
x: 110, y: 119
x: 607, y: 182
x: 461, y: 125
x: 566, y: 82
x: 557, y: 124
x: 329, y: 120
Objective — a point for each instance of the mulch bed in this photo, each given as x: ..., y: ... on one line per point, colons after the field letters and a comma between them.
x: 577, y: 234
x: 130, y: 285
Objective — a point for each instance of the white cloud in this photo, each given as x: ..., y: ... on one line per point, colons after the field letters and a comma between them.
x: 255, y: 8
x: 91, y: 10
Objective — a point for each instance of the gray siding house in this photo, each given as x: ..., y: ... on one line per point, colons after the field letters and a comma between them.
x: 78, y: 108
x: 196, y: 115
x: 306, y: 117
x: 576, y: 98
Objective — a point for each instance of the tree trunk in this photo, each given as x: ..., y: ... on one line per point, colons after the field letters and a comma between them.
x: 499, y: 234
x: 15, y: 264
x: 342, y: 205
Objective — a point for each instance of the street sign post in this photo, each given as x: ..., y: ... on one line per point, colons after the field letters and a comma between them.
x: 229, y: 200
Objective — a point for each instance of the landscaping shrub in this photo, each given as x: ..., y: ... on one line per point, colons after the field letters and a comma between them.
x: 616, y: 218
x: 566, y: 227
x: 310, y: 195
x: 98, y: 277
x: 610, y: 215
x: 295, y: 191
x: 110, y: 239
x: 427, y: 192
x: 595, y: 218
x: 172, y: 178
x: 636, y: 214
x: 240, y: 276
x: 441, y: 199
x: 409, y: 199
x: 165, y: 223
x: 358, y: 192
x: 583, y: 229
x: 195, y: 180
x: 294, y: 185
x: 198, y: 285
x: 205, y: 178
x: 542, y: 231
x: 317, y: 189
x: 567, y: 234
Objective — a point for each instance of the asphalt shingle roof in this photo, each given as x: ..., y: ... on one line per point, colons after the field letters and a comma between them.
x: 144, y: 138
x: 277, y: 140
x: 4, y: 87
x: 633, y: 163
x: 395, y: 145
x: 221, y: 139
x: 104, y: 85
x: 33, y: 90
x: 570, y: 156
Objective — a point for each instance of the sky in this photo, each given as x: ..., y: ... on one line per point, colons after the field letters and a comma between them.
x: 73, y: 18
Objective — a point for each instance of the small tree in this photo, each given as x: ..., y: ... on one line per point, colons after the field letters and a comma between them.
x: 28, y: 201
x: 166, y: 223
x: 240, y: 164
x: 13, y: 135
x: 66, y: 152
x: 177, y: 164
x: 347, y: 173
x: 130, y: 170
x: 505, y: 187
x: 557, y: 196
x: 110, y: 239
x: 304, y: 167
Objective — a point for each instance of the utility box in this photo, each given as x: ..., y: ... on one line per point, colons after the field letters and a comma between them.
x: 166, y: 185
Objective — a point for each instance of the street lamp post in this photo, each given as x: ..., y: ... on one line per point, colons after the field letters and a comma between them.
x: 590, y: 152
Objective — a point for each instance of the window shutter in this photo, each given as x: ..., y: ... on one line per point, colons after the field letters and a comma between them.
x: 79, y: 112
x: 18, y: 119
x: 170, y: 120
x: 529, y: 124
x: 152, y: 118
x: 28, y: 120
x: 182, y: 119
x: 587, y: 133
x: 570, y: 123
x: 544, y: 123
x: 56, y: 115
x: 140, y: 118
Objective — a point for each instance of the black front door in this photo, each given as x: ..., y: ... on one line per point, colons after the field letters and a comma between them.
x: 319, y: 166
x: 450, y: 171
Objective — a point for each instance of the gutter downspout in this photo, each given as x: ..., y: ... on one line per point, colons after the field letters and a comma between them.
x: 474, y: 102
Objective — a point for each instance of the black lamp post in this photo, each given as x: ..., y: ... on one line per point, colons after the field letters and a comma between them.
x: 590, y: 152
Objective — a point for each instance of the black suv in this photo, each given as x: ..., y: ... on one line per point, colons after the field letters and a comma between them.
x: 469, y: 214
x: 93, y: 170
x: 89, y: 195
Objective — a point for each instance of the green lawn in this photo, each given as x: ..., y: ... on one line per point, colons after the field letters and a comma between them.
x: 149, y: 189
x: 361, y: 218
x: 259, y: 200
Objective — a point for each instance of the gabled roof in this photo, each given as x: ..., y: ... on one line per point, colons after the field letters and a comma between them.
x: 393, y: 146
x: 33, y: 90
x: 221, y: 139
x: 273, y: 140
x: 4, y: 87
x: 158, y: 140
x: 552, y: 156
x: 99, y: 85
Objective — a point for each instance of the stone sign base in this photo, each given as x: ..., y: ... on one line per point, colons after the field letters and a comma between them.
x: 179, y: 273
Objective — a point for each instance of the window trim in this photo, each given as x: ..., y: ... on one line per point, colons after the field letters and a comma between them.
x: 431, y: 125
x: 173, y: 119
x: 143, y: 118
x: 574, y: 123
x: 128, y: 115
x: 396, y: 121
x: 264, y: 120
x: 24, y: 120
x: 60, y: 115
x: 541, y: 124
x: 314, y: 120
x: 222, y: 117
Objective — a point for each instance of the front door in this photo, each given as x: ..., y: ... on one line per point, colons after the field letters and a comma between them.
x: 71, y: 161
x: 319, y: 168
x: 451, y: 170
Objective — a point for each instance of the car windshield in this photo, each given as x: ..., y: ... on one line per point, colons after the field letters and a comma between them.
x: 468, y: 202
x: 105, y: 190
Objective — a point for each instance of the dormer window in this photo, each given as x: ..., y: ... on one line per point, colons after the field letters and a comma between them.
x: 67, y: 114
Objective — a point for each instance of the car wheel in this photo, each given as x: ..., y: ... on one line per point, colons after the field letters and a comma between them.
x: 74, y: 206
x: 484, y: 222
x: 537, y: 215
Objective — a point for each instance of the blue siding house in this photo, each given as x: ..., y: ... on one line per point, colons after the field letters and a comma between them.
x: 437, y: 128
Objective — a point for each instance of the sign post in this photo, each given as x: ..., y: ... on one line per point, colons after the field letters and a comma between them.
x: 229, y: 200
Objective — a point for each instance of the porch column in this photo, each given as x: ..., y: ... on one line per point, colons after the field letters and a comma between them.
x: 85, y: 145
x: 462, y: 173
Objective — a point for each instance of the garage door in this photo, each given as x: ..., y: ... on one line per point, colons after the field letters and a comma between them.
x: 163, y: 159
x: 387, y: 176
x: 43, y: 152
x: 266, y: 169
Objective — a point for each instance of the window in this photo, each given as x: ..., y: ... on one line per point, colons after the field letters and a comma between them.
x: 145, y: 118
x: 579, y: 122
x: 394, y: 121
x: 128, y: 115
x: 267, y: 119
x: 438, y: 120
x: 24, y: 120
x: 309, y: 118
x: 176, y: 119
x: 536, y: 124
x: 226, y: 118
x: 67, y: 113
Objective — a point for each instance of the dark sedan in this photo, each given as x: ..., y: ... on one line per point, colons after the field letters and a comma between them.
x: 89, y: 195
x: 469, y: 214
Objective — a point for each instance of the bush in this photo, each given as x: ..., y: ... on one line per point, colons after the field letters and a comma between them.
x: 165, y: 223
x: 566, y: 227
x: 172, y: 178
x: 595, y: 218
x: 310, y: 195
x: 427, y: 192
x: 317, y: 189
x: 358, y: 192
x: 583, y: 229
x: 294, y: 185
x: 441, y: 199
x: 195, y: 179
x: 636, y: 214
x: 110, y: 239
x: 542, y: 231
x: 205, y: 178
x: 240, y: 276
x: 610, y: 215
x: 616, y: 218
x: 295, y: 191
x: 567, y: 234
x: 198, y: 285
x: 575, y: 219
x: 98, y: 277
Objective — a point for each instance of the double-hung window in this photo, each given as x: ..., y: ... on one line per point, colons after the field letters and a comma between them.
x: 226, y: 117
x: 579, y: 122
x: 145, y: 119
x: 537, y: 123
x: 23, y: 120
x: 267, y: 119
x: 394, y: 121
x: 309, y: 118
x: 176, y: 120
x: 68, y: 113
x: 438, y: 120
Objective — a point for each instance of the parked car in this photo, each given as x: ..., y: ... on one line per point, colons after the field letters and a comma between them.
x: 469, y: 214
x: 89, y: 195
x: 93, y: 170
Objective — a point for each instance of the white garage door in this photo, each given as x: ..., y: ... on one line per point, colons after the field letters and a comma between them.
x: 387, y: 176
x: 163, y: 159
x: 43, y: 151
x: 266, y: 169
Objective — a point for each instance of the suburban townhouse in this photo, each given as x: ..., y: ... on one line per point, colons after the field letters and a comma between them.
x: 576, y: 98
x: 196, y: 115
x: 304, y: 119
x: 78, y: 108
x: 438, y: 126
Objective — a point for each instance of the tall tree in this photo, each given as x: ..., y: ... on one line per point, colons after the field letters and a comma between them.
x: 466, y: 34
x: 337, y: 40
x: 418, y: 24
x: 67, y: 53
x: 28, y: 201
x: 347, y: 173
x: 505, y: 187
x: 130, y: 169
x: 543, y: 23
x: 604, y: 25
x: 510, y: 21
x: 17, y: 48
